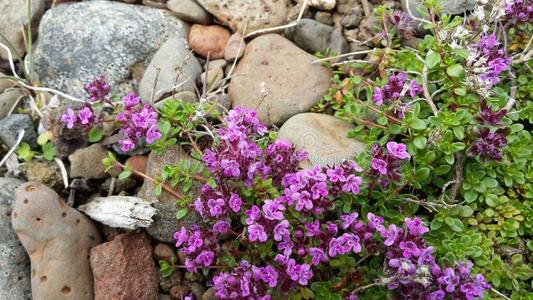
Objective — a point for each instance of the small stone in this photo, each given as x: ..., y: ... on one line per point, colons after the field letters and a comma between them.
x: 337, y: 42
x: 165, y: 222
x: 161, y: 4
x: 87, y: 162
x: 57, y: 238
x: 212, y: 79
x: 14, y: 18
x: 164, y: 297
x: 165, y: 252
x: 14, y: 261
x: 209, y: 294
x: 352, y: 18
x: 277, y: 93
x: 123, y: 269
x: 215, y: 64
x: 178, y: 292
x: 197, y: 290
x: 10, y: 127
x: 172, y: 69
x: 5, y: 83
x: 190, y: 11
x: 344, y: 6
x: 313, y: 36
x: 166, y: 283
x: 8, y: 100
x: 324, y: 137
x: 323, y: 4
x: 209, y: 40
x: 324, y: 18
x: 235, y: 47
x: 45, y: 172
x: 248, y: 14
x: 137, y: 163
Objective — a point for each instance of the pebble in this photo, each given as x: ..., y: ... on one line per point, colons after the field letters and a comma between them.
x: 324, y: 137
x: 324, y: 18
x: 111, y: 38
x: 87, y: 162
x: 10, y: 127
x: 323, y: 4
x: 178, y: 292
x: 14, y: 17
x: 124, y: 269
x: 209, y: 40
x: 161, y: 4
x: 190, y: 11
x: 165, y: 222
x: 212, y: 79
x: 344, y: 6
x: 215, y: 64
x: 165, y: 252
x: 57, y: 239
x: 172, y: 69
x: 45, y: 172
x: 310, y: 35
x: 248, y: 14
x: 278, y: 79
x: 14, y: 261
x: 137, y: 163
x: 8, y: 99
x: 235, y: 47
x: 352, y: 18
x: 209, y: 294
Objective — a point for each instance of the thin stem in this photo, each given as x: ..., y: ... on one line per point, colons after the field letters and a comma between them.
x: 499, y: 294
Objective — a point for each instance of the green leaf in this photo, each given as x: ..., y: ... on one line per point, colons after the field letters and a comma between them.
x: 455, y: 70
x: 436, y: 224
x: 455, y: 224
x: 43, y: 139
x: 96, y: 134
x: 420, y: 142
x: 49, y: 151
x: 422, y: 174
x: 459, y: 91
x: 489, y: 182
x: 124, y: 174
x: 470, y: 196
x: 418, y: 124
x: 181, y: 213
x: 432, y: 59
x: 24, y: 152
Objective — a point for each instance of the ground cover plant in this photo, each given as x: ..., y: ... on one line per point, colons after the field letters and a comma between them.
x: 438, y: 207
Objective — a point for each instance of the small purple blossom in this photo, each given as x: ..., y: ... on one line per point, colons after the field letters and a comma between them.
x: 257, y: 232
x: 69, y: 117
x: 98, y: 89
x: 398, y: 150
x: 379, y: 165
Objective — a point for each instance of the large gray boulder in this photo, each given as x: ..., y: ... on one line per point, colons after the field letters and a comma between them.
x: 80, y: 41
x: 14, y: 262
x: 14, y: 17
x: 277, y: 79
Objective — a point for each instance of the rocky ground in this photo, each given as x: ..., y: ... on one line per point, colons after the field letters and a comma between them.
x: 51, y: 250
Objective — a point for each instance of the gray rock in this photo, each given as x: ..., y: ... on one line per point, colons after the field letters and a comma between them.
x: 190, y: 11
x: 277, y: 79
x: 14, y: 262
x: 352, y: 18
x: 8, y: 100
x: 313, y: 36
x: 14, y: 17
x: 172, y: 66
x: 252, y: 14
x: 344, y: 6
x: 10, y: 127
x: 324, y: 17
x: 45, y: 172
x: 87, y: 162
x: 79, y: 41
x: 165, y: 222
x: 454, y: 7
x: 324, y: 137
x: 155, y: 3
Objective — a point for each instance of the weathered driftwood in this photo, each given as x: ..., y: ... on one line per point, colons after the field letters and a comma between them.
x: 120, y: 211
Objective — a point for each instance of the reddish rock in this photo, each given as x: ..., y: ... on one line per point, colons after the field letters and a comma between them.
x: 209, y: 39
x: 138, y: 163
x: 235, y: 47
x: 123, y: 269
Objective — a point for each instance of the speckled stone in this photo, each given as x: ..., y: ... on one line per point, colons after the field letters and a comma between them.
x: 80, y: 41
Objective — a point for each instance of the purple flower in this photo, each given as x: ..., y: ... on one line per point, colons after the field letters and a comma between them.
x: 317, y: 255
x: 405, y: 24
x: 489, y: 144
x: 253, y: 214
x: 489, y: 117
x: 344, y: 244
x: 410, y: 249
x: 379, y: 165
x: 273, y: 210
x: 414, y: 89
x: 130, y: 100
x: 415, y: 226
x: 181, y: 236
x: 349, y: 219
x: 127, y: 145
x: 257, y: 232
x: 398, y: 150
x: 378, y: 96
x: 235, y: 202
x: 221, y: 226
x: 205, y: 258
x: 449, y: 279
x: 336, y: 174
x: 69, y: 118
x: 152, y: 135
x: 352, y: 184
x: 436, y: 295
x: 313, y: 229
x: 85, y: 115
x: 231, y: 168
x: 375, y: 222
x: 97, y: 89
x: 300, y: 273
x: 215, y: 206
x: 390, y: 234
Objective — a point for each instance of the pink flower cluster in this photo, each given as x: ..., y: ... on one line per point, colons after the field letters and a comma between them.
x: 84, y: 117
x: 489, y: 59
x: 137, y: 121
x: 393, y: 92
x: 386, y: 164
x: 288, y: 237
x: 519, y: 10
